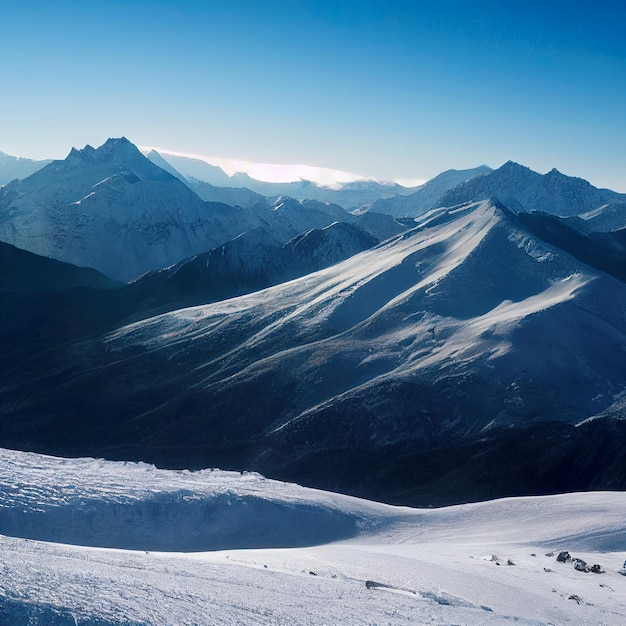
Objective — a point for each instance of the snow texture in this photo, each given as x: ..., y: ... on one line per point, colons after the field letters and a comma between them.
x: 87, y: 541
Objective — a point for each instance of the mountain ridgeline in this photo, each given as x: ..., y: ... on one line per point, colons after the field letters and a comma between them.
x: 474, y: 349
x: 114, y: 210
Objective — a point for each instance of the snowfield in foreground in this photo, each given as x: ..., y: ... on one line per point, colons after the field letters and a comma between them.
x: 94, y: 542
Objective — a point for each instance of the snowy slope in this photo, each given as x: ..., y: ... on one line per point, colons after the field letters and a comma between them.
x: 450, y: 334
x: 253, y: 261
x: 112, y: 209
x: 217, y: 547
x: 433, y: 300
x: 606, y: 218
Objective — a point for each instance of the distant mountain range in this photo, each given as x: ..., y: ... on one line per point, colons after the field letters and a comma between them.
x: 426, y: 196
x: 523, y: 190
x: 463, y: 342
x: 212, y: 183
x: 16, y: 167
x: 114, y: 210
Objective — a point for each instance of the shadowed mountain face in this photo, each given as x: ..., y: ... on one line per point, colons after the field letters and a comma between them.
x: 604, y: 251
x: 430, y: 352
x: 23, y: 271
x: 44, y: 302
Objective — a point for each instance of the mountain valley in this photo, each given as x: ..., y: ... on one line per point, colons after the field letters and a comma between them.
x: 426, y: 349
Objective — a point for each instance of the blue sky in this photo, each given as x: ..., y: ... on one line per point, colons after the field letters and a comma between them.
x: 393, y: 90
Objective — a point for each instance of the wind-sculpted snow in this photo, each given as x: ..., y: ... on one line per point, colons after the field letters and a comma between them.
x: 485, y: 563
x: 138, y: 507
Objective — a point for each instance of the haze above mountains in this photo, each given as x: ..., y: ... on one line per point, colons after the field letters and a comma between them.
x: 399, y: 351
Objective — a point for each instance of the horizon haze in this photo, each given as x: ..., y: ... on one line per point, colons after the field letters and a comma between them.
x: 397, y: 91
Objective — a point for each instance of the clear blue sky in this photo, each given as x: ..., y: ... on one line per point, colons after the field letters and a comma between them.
x: 389, y: 89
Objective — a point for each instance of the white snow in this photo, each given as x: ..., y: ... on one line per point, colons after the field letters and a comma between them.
x: 468, y: 292
x: 270, y: 172
x: 266, y: 552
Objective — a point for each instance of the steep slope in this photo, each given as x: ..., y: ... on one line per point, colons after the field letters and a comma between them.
x: 16, y: 167
x: 159, y: 161
x: 253, y: 261
x: 466, y: 329
x: 426, y: 197
x: 380, y: 226
x: 45, y: 303
x: 523, y: 190
x: 23, y: 271
x: 198, y: 170
x: 604, y: 219
x: 233, y: 196
x: 288, y: 217
x: 114, y: 210
x: 606, y: 251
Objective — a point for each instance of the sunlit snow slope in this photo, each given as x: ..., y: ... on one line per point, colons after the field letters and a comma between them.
x: 326, y: 558
x: 465, y: 326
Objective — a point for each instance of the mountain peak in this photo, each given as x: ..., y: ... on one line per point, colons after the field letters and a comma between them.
x: 81, y: 155
x: 116, y: 141
x: 110, y: 150
x: 523, y: 190
x: 512, y: 166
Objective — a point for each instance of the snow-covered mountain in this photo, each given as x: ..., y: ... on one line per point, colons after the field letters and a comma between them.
x: 605, y: 219
x: 217, y: 191
x: 426, y: 196
x: 235, y: 196
x: 424, y: 359
x: 17, y: 167
x: 522, y: 190
x: 606, y: 251
x: 112, y: 209
x: 198, y: 169
x: 253, y: 261
x: 86, y: 541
